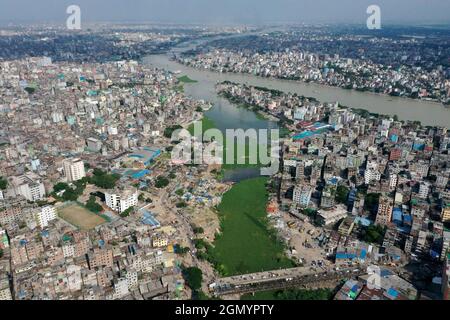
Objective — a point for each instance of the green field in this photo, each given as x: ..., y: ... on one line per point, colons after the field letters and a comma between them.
x: 291, y: 294
x: 186, y: 79
x: 246, y: 243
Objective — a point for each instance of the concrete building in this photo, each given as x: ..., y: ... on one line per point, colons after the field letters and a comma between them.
x: 384, y: 213
x: 29, y: 187
x: 302, y: 195
x: 45, y: 215
x: 74, y: 169
x: 327, y: 217
x: 446, y: 213
x: 121, y: 200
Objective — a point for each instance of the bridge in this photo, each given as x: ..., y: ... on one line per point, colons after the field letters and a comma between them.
x: 281, y: 279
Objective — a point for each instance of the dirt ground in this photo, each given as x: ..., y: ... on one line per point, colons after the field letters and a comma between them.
x: 80, y: 217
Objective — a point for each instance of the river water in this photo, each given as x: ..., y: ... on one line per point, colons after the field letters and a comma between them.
x: 229, y: 116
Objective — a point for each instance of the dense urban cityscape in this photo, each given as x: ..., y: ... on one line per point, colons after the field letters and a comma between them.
x: 94, y: 206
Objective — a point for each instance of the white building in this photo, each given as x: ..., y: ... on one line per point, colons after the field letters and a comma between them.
x: 372, y: 173
x: 120, y: 288
x: 45, y: 215
x: 121, y: 200
x: 31, y: 189
x: 74, y: 169
x: 424, y: 189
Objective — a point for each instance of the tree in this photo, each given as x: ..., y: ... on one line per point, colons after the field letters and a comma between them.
x: 198, y: 230
x: 342, y: 194
x: 181, y: 204
x: 127, y: 212
x: 3, y: 183
x: 374, y: 234
x: 103, y: 180
x: 93, y: 206
x: 1, y: 253
x: 169, y: 131
x: 161, y: 182
x: 60, y: 186
x: 30, y: 90
x: 193, y: 277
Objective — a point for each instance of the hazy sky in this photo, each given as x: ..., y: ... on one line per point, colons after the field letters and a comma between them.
x: 227, y: 11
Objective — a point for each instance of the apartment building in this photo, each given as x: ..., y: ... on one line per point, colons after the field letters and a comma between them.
x: 74, y: 169
x: 121, y: 200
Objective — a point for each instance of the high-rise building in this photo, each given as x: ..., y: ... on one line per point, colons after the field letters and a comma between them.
x: 32, y: 189
x: 302, y: 195
x: 384, y: 213
x: 74, y: 169
x: 45, y: 215
x: 446, y: 213
x: 121, y: 200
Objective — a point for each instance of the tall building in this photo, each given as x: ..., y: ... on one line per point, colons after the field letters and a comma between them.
x: 74, y: 169
x: 302, y: 195
x: 45, y: 215
x: 446, y: 213
x: 121, y: 200
x: 30, y: 188
x: 384, y: 213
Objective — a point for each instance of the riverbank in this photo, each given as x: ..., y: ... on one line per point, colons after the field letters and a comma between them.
x: 428, y: 113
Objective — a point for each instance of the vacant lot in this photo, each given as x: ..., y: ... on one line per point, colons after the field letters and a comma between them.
x: 80, y: 217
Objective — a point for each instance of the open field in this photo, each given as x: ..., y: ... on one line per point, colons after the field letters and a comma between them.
x: 246, y: 243
x: 80, y: 217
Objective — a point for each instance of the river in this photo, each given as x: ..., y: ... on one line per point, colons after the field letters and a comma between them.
x: 226, y: 115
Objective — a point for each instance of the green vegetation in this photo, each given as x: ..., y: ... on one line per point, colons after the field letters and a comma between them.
x: 342, y: 194
x: 181, y: 204
x: 1, y: 253
x: 179, y: 192
x: 70, y: 194
x: 170, y: 130
x: 198, y: 230
x: 93, y: 206
x: 3, y: 183
x: 373, y: 234
x: 291, y: 294
x: 30, y: 90
x: 161, y: 182
x: 172, y: 175
x: 193, y: 277
x: 371, y: 201
x: 127, y: 212
x: 186, y: 79
x: 246, y: 243
x: 104, y: 180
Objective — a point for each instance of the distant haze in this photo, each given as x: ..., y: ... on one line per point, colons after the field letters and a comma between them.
x: 227, y: 11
